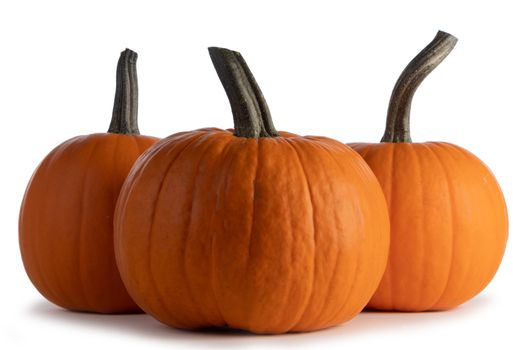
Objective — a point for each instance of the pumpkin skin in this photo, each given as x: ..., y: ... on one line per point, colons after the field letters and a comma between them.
x: 269, y: 235
x: 66, y: 222
x: 448, y: 216
x: 448, y: 224
x: 66, y: 217
x: 265, y: 234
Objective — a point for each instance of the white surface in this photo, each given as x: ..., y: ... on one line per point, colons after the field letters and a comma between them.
x: 325, y: 67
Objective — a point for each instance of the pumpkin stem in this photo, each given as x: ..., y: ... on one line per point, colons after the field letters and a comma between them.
x: 125, y: 107
x: 398, y: 116
x: 251, y: 116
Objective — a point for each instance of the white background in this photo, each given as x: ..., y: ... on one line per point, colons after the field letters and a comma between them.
x: 326, y: 68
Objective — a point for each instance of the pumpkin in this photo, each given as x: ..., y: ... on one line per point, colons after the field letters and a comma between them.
x: 448, y: 215
x: 66, y: 219
x: 250, y: 228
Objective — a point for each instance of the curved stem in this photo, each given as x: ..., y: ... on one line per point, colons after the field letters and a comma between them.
x: 251, y: 116
x: 125, y: 108
x: 398, y: 116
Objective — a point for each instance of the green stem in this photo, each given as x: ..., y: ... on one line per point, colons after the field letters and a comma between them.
x: 125, y: 108
x: 251, y: 116
x: 398, y: 116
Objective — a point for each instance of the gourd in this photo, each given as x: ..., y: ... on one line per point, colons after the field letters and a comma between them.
x: 447, y: 213
x: 66, y: 218
x: 250, y: 228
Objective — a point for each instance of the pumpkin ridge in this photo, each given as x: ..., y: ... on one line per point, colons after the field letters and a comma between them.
x: 351, y: 289
x: 348, y: 298
x: 128, y: 187
x: 449, y: 148
x: 386, y: 154
x: 452, y: 250
x: 324, y: 147
x: 24, y: 246
x: 120, y: 284
x: 482, y: 165
x: 293, y: 234
x: 421, y: 247
x: 254, y: 182
x: 389, y: 269
x: 336, y: 317
x: 222, y: 322
x: 314, y: 226
x: 338, y: 256
x: 298, y: 317
x: 81, y: 223
x: 250, y: 240
x: 60, y: 150
x: 113, y: 157
x: 154, y: 283
x: 202, y: 154
x: 213, y: 274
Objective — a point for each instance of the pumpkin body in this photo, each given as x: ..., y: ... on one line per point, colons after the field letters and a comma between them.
x: 269, y: 234
x: 66, y: 222
x: 448, y: 224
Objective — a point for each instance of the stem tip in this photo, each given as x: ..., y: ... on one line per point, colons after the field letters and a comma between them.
x: 398, y: 115
x: 251, y: 115
x: 125, y: 107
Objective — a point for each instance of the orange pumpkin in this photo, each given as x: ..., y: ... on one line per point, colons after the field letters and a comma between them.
x: 447, y: 213
x: 251, y: 229
x: 66, y: 219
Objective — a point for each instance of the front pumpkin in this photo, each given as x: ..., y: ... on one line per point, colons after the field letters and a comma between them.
x: 447, y: 213
x: 66, y: 219
x: 250, y: 229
